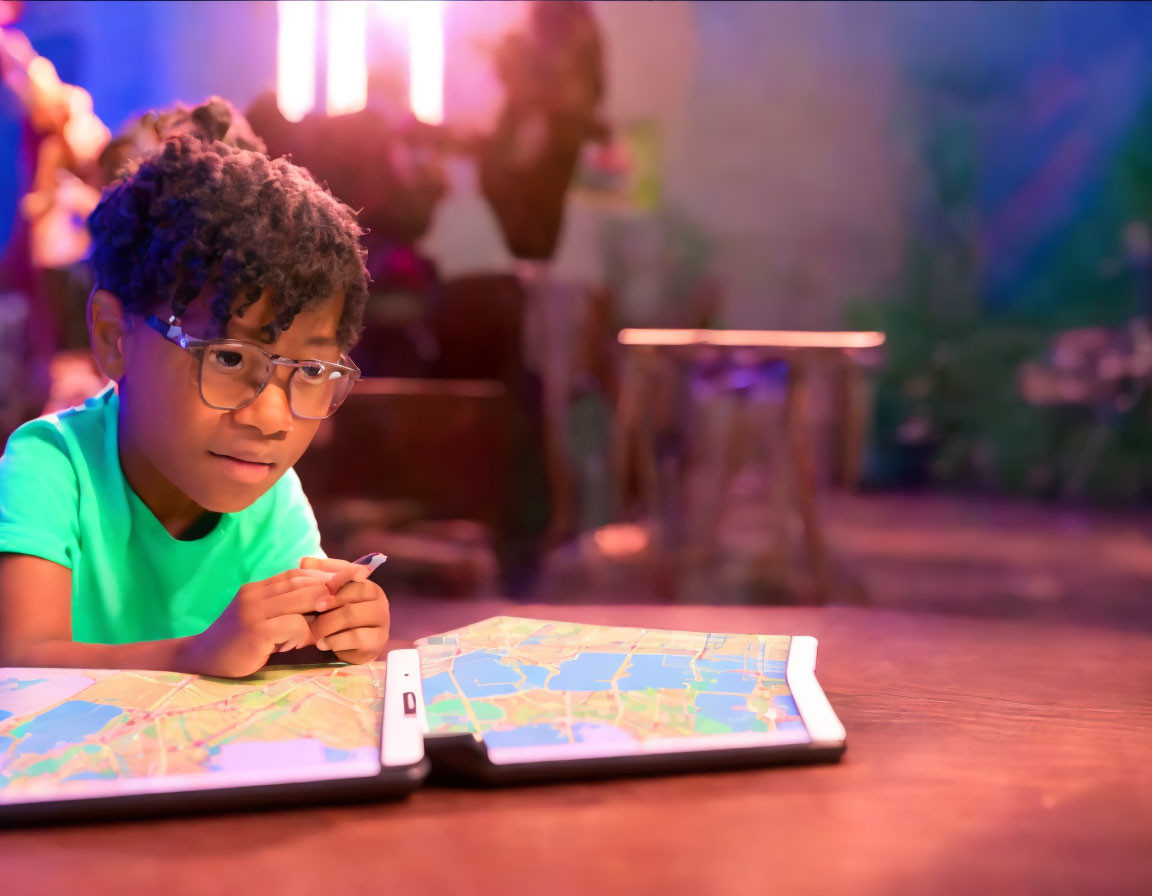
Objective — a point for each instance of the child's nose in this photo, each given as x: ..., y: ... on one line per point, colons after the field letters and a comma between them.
x: 271, y: 411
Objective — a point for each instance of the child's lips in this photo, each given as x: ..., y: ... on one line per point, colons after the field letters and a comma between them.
x: 250, y: 471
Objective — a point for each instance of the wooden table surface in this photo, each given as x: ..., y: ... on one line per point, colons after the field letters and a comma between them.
x: 985, y: 757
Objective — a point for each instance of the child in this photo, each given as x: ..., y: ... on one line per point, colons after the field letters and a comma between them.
x: 160, y: 525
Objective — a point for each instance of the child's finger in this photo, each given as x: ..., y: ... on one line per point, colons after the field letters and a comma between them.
x: 356, y: 592
x: 299, y: 573
x: 313, y: 598
x: 352, y: 572
x: 340, y: 572
x: 302, y: 578
x: 291, y: 632
x: 349, y: 617
x: 288, y: 580
x: 323, y: 564
x: 368, y: 640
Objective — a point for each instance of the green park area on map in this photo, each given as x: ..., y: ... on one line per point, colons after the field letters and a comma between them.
x: 527, y: 682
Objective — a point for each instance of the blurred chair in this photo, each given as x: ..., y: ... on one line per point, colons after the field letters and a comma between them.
x: 551, y: 344
x: 485, y: 327
x: 418, y: 468
x: 478, y: 327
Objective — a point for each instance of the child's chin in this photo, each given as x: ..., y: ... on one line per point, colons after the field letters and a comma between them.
x: 233, y: 501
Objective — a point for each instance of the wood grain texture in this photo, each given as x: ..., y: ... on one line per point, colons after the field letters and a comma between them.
x: 984, y: 757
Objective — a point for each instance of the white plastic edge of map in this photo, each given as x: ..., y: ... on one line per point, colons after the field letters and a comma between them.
x: 401, y: 736
x: 815, y: 710
x: 89, y: 789
x: 559, y: 752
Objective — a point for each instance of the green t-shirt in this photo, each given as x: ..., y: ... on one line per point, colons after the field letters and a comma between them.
x: 63, y: 497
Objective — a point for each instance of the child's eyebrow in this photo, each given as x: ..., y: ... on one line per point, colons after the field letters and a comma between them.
x: 261, y: 335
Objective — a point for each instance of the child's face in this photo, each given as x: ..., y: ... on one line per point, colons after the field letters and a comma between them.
x: 178, y: 447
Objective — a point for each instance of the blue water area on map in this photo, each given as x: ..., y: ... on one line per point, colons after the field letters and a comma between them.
x: 70, y: 722
x: 5, y: 742
x: 16, y: 684
x: 588, y: 672
x: 537, y: 675
x: 729, y: 711
x: 672, y: 672
x: 734, y: 676
x: 481, y: 674
x: 436, y: 685
x: 4, y: 714
x: 526, y: 736
x: 787, y: 704
x: 774, y: 668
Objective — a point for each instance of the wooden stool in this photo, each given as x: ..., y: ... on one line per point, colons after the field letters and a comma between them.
x: 735, y: 377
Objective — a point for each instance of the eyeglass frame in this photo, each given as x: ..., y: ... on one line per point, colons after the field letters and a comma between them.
x: 172, y: 331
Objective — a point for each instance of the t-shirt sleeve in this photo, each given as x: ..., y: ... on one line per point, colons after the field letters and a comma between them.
x: 291, y: 532
x: 39, y: 496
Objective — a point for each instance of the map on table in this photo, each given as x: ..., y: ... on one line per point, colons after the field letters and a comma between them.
x: 524, y: 683
x: 520, y: 683
x: 80, y: 732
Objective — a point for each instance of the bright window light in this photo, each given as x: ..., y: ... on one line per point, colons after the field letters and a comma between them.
x: 426, y: 59
x: 295, y: 58
x: 347, y: 57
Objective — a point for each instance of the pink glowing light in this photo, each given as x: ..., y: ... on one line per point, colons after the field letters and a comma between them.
x: 619, y: 540
x: 347, y: 58
x: 295, y: 58
x: 426, y: 59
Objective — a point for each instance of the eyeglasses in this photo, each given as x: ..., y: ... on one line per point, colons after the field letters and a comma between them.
x: 232, y: 373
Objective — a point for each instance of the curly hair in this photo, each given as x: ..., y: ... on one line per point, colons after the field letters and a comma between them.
x: 200, y: 216
x: 213, y: 119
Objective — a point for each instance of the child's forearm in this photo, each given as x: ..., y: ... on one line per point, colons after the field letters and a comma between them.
x: 171, y: 655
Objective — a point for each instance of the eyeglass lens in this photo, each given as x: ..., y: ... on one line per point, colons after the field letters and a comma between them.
x: 232, y: 374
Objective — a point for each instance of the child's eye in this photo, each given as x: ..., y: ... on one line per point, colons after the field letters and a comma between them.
x: 227, y: 359
x: 313, y: 372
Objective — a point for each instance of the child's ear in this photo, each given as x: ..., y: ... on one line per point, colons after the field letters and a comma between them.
x: 107, y: 326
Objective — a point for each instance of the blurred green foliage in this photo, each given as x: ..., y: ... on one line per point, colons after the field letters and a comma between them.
x: 948, y: 408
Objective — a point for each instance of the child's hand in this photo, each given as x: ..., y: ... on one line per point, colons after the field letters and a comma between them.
x: 264, y: 618
x: 357, y: 629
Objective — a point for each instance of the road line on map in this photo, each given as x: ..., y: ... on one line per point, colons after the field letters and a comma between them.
x: 464, y: 698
